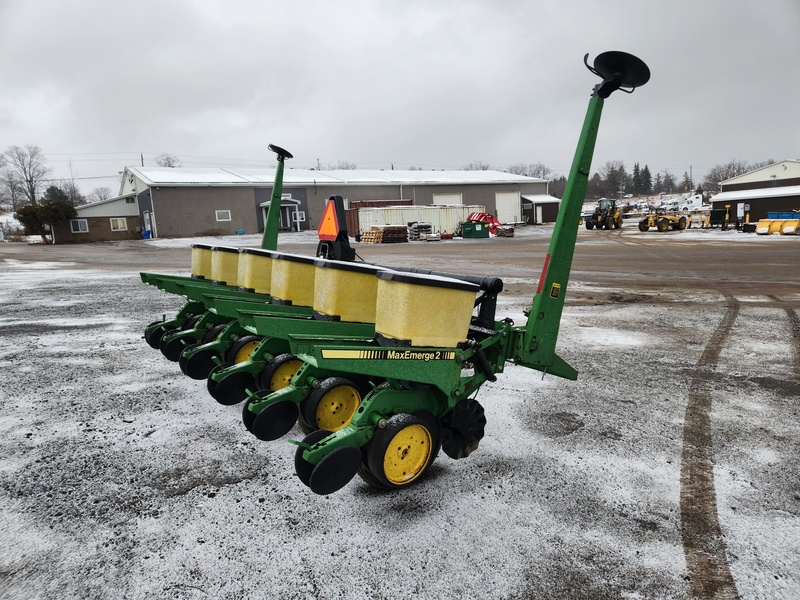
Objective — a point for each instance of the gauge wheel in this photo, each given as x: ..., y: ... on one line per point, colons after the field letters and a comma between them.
x: 332, y: 405
x: 401, y: 452
x: 279, y: 372
x: 241, y: 349
x: 213, y: 333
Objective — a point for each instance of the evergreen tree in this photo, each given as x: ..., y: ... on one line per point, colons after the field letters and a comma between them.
x: 686, y: 183
x: 636, y: 180
x: 668, y: 183
x: 53, y: 193
x: 646, y: 181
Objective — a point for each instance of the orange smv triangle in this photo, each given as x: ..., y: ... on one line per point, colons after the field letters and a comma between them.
x: 329, y: 226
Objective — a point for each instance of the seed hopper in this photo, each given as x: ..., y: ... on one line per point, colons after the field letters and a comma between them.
x: 379, y: 366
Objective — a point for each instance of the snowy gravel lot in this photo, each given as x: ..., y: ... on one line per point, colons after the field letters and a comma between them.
x: 122, y: 478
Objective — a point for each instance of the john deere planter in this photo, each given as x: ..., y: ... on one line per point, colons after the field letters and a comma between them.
x: 383, y: 379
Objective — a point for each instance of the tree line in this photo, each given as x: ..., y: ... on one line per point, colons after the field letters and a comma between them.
x: 37, y: 201
x: 612, y: 180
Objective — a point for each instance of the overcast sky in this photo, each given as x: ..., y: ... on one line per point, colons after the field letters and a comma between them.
x: 424, y: 83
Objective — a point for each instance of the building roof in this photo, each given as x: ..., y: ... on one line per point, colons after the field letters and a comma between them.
x: 180, y: 176
x: 757, y: 194
x: 541, y: 199
x: 785, y: 169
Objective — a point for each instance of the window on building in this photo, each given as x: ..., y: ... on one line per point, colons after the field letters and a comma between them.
x: 223, y: 215
x: 119, y: 224
x: 79, y: 226
x: 130, y: 200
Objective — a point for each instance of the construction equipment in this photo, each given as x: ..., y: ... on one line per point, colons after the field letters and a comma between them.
x: 383, y: 379
x: 664, y: 221
x: 606, y: 215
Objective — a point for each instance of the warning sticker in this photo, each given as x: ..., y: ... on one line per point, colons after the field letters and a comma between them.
x: 555, y: 290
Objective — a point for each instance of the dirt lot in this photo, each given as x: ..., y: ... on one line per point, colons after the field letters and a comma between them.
x: 668, y: 470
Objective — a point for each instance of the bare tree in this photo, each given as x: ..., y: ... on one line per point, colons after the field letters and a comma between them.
x: 477, y: 166
x: 167, y: 160
x: 11, y: 190
x: 71, y: 189
x: 613, y: 173
x: 762, y: 164
x: 720, y: 173
x: 99, y: 194
x: 28, y: 166
x: 538, y: 169
x: 346, y: 165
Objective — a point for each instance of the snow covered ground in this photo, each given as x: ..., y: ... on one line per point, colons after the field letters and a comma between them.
x: 122, y: 478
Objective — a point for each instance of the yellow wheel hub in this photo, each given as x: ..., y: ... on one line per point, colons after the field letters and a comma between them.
x: 407, y: 455
x: 244, y: 352
x: 283, y: 374
x: 337, y: 407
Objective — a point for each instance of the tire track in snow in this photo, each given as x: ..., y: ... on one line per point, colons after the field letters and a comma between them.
x: 794, y: 328
x: 703, y: 544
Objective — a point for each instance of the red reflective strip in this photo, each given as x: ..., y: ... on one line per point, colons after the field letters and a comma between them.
x: 544, y: 272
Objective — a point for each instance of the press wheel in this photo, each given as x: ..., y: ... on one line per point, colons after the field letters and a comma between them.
x: 173, y: 349
x: 332, y: 405
x: 200, y: 364
x: 335, y: 470
x: 275, y: 420
x: 153, y: 337
x: 302, y: 467
x: 210, y: 383
x: 183, y: 357
x: 402, y: 451
x: 463, y: 429
x: 248, y: 416
x: 232, y: 388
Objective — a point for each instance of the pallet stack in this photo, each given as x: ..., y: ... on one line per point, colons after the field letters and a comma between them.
x: 419, y: 231
x: 385, y: 234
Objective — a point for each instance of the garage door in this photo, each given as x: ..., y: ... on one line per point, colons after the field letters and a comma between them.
x: 508, y: 206
x: 447, y: 199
